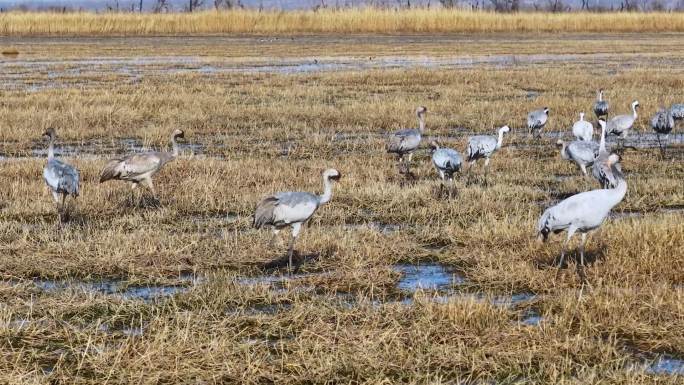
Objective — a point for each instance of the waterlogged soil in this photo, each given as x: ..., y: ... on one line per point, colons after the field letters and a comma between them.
x: 223, y: 146
x: 45, y: 63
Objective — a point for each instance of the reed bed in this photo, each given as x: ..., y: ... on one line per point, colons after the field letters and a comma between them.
x: 369, y: 20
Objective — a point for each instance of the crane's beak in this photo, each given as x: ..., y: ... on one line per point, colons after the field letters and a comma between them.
x: 336, y: 177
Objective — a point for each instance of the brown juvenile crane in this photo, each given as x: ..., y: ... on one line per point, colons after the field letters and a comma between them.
x: 139, y: 168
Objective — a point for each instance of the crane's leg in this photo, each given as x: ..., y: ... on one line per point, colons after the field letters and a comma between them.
x: 441, y: 183
x: 486, y: 167
x: 147, y: 182
x: 408, y: 165
x: 296, y: 228
x: 271, y: 244
x: 401, y: 164
x: 580, y: 267
x: 134, y: 186
x: 65, y: 213
x: 662, y: 150
x: 583, y: 168
x: 451, y: 186
x: 55, y: 196
x: 470, y: 169
x: 571, y: 232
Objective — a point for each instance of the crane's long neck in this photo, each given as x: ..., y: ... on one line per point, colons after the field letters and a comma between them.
x: 634, y: 111
x: 564, y: 154
x: 602, y: 143
x: 600, y: 96
x: 51, y: 148
x: 617, y: 194
x: 327, y: 191
x: 499, y: 142
x: 421, y: 123
x: 174, y: 146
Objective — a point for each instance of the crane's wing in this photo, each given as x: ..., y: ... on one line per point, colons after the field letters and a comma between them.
x: 131, y: 167
x: 284, y: 208
x: 404, y: 140
x: 61, y: 177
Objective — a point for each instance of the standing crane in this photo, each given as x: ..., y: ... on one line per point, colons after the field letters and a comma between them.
x: 536, y: 120
x: 62, y: 178
x: 405, y: 142
x: 601, y: 106
x: 582, y: 153
x: 621, y: 124
x: 582, y: 129
x: 447, y: 161
x: 662, y: 123
x: 483, y: 146
x: 293, y: 209
x: 140, y: 168
x: 601, y: 169
x: 677, y: 111
x: 583, y: 212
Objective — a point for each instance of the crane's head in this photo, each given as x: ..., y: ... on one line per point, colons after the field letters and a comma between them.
x: 581, y: 115
x: 178, y: 134
x: 546, y: 110
x: 434, y: 145
x: 504, y: 129
x: 635, y: 104
x: 615, y: 169
x: 560, y: 142
x: 420, y: 111
x: 602, y: 123
x: 332, y: 174
x: 50, y: 133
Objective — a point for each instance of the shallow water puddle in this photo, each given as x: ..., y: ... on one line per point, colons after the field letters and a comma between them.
x: 666, y: 365
x: 121, y: 288
x: 426, y: 277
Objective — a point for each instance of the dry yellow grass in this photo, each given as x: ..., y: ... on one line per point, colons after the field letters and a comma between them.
x: 332, y: 21
x: 345, y: 322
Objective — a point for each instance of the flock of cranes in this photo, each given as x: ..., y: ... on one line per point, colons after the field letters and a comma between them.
x: 582, y: 212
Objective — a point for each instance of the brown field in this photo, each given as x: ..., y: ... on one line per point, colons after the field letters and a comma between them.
x: 187, y: 292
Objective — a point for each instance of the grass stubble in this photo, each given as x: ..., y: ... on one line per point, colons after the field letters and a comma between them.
x: 262, y: 133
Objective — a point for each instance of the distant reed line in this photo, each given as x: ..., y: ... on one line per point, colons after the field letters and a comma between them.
x: 330, y: 21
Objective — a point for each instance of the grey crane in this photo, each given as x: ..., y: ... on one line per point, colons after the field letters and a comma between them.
x: 139, y: 168
x: 582, y: 153
x: 405, y: 142
x: 662, y: 123
x: 582, y: 129
x: 447, y: 161
x: 61, y: 177
x: 601, y: 169
x: 601, y: 106
x: 293, y: 209
x: 582, y: 212
x: 536, y: 120
x: 621, y: 124
x: 483, y: 146
x: 677, y: 111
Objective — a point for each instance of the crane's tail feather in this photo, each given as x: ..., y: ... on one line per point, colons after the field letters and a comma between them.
x: 111, y: 170
x: 543, y: 229
x: 263, y: 215
x: 394, y: 145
